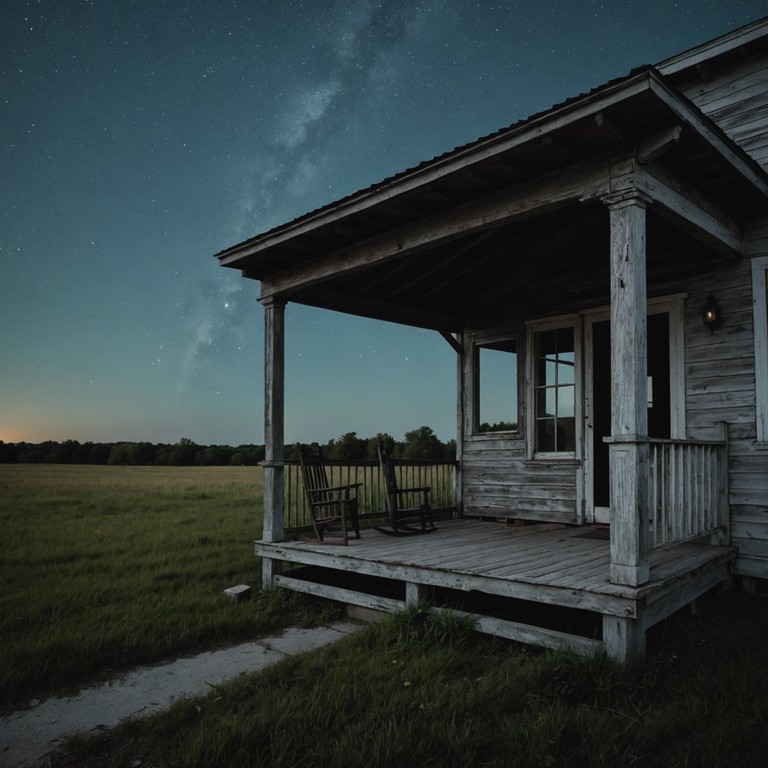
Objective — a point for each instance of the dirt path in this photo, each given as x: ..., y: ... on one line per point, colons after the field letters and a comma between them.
x: 26, y: 737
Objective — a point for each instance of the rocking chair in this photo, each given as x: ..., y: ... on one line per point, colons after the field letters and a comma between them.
x: 331, y: 506
x: 406, y: 505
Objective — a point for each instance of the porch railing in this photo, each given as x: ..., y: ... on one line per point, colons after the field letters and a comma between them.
x: 440, y: 476
x: 688, y: 490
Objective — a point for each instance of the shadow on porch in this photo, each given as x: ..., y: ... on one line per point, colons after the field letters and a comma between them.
x: 543, y: 584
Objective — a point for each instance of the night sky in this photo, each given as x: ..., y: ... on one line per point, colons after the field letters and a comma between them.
x: 139, y: 137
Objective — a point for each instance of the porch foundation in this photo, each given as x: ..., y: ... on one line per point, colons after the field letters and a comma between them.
x: 545, y: 585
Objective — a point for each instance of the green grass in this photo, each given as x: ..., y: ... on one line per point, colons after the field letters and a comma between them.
x: 418, y: 691
x: 103, y: 568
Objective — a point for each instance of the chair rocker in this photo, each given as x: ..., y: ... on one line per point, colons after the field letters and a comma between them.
x: 407, y: 506
x: 331, y: 506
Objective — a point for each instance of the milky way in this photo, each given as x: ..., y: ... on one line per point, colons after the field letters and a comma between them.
x: 139, y: 138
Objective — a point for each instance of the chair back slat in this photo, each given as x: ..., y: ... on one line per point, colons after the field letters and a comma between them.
x: 330, y: 507
x: 390, y: 478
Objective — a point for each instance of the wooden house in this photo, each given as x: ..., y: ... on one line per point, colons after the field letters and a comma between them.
x: 611, y: 255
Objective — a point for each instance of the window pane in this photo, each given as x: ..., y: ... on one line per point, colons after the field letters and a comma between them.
x: 555, y: 390
x: 565, y: 401
x: 566, y: 434
x: 551, y: 401
x: 545, y: 435
x: 565, y: 369
x: 497, y: 384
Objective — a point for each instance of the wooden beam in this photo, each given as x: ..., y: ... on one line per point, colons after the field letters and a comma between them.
x: 655, y: 146
x: 739, y: 160
x: 581, y: 181
x: 689, y: 209
x: 377, y: 310
x: 609, y: 129
x: 453, y: 342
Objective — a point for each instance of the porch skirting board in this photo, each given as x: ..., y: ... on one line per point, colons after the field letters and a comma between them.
x: 549, y: 565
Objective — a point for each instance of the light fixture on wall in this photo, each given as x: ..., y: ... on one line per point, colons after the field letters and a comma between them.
x: 712, y: 314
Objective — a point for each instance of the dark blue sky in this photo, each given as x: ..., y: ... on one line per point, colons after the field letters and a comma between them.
x: 139, y: 137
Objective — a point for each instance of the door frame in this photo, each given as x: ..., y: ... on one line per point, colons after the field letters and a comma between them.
x: 674, y: 306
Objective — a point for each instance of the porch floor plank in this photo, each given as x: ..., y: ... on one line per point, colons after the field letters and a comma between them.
x: 549, y: 563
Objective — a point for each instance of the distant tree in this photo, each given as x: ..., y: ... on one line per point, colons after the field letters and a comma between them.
x: 121, y: 454
x: 349, y: 447
x: 214, y: 456
x: 421, y: 443
x: 144, y: 454
x: 30, y: 453
x: 66, y: 451
x: 183, y: 453
x: 99, y: 453
x: 82, y: 454
x: 9, y: 453
x: 373, y: 445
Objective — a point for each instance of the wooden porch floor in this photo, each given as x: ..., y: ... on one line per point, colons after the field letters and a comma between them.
x: 549, y: 565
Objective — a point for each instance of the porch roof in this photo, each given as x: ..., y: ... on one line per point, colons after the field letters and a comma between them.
x: 435, y: 246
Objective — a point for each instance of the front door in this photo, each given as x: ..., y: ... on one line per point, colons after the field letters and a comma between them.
x: 663, y: 334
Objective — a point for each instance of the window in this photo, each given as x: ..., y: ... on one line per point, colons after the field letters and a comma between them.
x: 760, y: 306
x: 496, y: 381
x: 554, y: 390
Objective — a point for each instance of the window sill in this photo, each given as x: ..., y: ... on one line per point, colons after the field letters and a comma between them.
x: 564, y: 460
x: 477, y: 436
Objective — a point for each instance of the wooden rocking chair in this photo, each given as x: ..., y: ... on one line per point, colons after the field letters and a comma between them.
x: 406, y: 505
x: 331, y: 506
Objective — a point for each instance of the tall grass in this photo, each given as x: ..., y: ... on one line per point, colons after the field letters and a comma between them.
x: 424, y: 691
x: 102, y: 568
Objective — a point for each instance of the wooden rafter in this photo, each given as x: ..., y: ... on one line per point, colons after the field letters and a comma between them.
x: 585, y: 180
x: 689, y: 209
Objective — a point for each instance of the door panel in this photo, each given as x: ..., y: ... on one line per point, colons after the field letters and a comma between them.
x: 599, y: 409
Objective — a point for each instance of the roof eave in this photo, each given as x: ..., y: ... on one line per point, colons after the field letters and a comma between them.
x: 532, y: 128
x: 720, y: 45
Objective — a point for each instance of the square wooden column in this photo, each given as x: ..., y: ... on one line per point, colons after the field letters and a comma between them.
x: 629, y: 390
x: 274, y: 420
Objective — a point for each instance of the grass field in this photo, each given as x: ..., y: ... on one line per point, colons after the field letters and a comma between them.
x: 424, y: 691
x: 102, y: 568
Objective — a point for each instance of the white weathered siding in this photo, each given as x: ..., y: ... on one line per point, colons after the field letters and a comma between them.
x: 499, y: 482
x: 720, y: 386
x: 737, y: 100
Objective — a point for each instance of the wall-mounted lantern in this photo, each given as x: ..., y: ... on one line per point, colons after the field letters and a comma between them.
x: 712, y: 314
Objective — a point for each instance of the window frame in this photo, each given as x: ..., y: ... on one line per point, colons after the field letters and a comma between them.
x: 760, y: 316
x: 484, y: 340
x: 532, y: 329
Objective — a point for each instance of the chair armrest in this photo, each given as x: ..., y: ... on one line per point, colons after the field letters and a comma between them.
x: 332, y: 502
x: 426, y: 489
x: 337, y: 488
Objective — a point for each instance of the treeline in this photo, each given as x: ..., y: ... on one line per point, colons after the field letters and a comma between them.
x: 421, y: 443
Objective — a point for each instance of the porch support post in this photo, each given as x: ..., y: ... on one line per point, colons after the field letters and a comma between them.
x: 629, y: 387
x: 415, y: 593
x: 274, y: 420
x: 623, y: 638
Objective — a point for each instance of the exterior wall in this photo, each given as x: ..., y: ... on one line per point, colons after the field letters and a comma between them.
x: 720, y: 369
x: 499, y: 482
x: 720, y: 386
x: 737, y: 100
x: 498, y: 479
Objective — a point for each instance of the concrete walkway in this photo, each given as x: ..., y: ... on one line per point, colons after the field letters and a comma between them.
x: 26, y: 737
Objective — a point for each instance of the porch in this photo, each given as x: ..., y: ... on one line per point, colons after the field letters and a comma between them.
x: 522, y: 243
x: 545, y: 584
